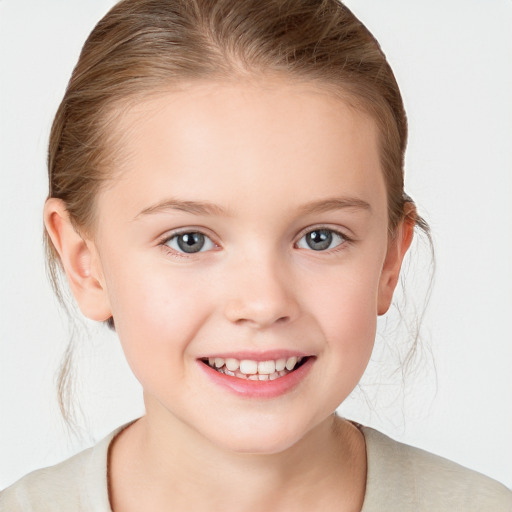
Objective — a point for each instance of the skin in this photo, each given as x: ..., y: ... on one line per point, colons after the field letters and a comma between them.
x: 276, y: 161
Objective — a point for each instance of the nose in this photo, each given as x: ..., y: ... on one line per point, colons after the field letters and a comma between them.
x: 261, y: 294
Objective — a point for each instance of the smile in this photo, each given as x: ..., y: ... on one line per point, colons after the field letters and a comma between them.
x: 248, y: 369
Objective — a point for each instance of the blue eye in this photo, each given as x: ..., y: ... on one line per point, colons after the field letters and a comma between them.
x: 321, y: 240
x: 190, y: 242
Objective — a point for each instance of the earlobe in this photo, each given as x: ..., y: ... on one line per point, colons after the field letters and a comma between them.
x: 79, y: 260
x: 397, y: 248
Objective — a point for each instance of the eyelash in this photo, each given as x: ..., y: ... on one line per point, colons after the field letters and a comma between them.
x: 344, y: 239
x: 164, y: 242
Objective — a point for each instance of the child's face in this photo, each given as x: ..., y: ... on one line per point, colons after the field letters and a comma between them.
x: 277, y: 192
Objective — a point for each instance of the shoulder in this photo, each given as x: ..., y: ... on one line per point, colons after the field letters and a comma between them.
x: 78, y: 484
x: 401, y: 477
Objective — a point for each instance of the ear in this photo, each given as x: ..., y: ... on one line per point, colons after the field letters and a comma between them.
x: 397, y: 247
x: 79, y: 260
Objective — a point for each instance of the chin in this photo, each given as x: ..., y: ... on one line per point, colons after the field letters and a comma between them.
x: 253, y: 445
x: 266, y: 438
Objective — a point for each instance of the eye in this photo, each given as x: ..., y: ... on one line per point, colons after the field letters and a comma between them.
x: 190, y: 242
x: 321, y: 240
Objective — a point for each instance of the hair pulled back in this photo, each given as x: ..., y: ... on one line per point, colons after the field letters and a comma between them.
x: 142, y: 47
x: 145, y: 46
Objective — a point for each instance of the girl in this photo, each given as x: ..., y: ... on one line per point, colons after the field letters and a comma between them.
x: 226, y: 192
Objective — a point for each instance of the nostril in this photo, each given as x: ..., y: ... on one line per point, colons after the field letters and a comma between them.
x: 262, y: 322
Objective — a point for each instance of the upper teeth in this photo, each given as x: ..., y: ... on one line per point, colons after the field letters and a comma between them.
x: 251, y: 367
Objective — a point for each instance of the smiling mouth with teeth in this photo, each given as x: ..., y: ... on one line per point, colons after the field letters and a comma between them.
x: 255, y: 370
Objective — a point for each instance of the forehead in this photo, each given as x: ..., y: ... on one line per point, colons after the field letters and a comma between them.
x: 244, y: 141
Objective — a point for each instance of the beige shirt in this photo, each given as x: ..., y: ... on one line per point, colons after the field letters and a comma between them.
x: 400, y: 478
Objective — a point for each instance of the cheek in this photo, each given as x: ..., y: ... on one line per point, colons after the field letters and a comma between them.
x: 346, y: 311
x: 156, y: 314
x: 348, y: 297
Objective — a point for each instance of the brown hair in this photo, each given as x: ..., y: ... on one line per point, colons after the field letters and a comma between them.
x: 145, y: 46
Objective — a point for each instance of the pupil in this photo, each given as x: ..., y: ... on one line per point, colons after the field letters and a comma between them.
x: 319, y: 240
x: 191, y: 242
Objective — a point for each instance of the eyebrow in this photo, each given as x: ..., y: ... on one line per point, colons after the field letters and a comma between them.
x: 335, y: 203
x: 194, y: 207
x: 207, y: 208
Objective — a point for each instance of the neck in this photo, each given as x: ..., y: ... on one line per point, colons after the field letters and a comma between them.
x: 181, y: 470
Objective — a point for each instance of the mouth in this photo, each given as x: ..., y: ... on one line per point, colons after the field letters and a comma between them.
x: 248, y: 369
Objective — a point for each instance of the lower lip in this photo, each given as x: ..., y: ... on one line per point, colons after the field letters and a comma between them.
x: 259, y: 388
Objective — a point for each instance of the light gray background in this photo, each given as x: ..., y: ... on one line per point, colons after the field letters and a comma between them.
x: 453, y: 61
